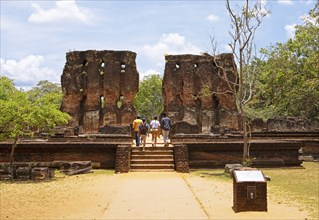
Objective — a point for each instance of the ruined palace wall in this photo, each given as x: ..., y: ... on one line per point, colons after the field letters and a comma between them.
x: 195, y: 95
x: 99, y: 88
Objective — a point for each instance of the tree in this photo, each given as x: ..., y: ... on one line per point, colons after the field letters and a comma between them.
x: 149, y: 100
x: 289, y: 77
x: 46, y: 88
x: 20, y: 116
x: 245, y: 20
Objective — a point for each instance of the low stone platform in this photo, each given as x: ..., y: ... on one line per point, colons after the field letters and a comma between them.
x: 100, y: 149
x: 190, y: 151
x: 212, y: 151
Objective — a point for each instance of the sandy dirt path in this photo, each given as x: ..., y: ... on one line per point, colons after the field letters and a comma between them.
x: 84, y: 196
x: 158, y: 195
x: 154, y: 196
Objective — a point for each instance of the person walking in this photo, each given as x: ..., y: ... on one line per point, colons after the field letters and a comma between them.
x: 136, y: 124
x: 155, y: 126
x: 143, y: 131
x: 166, y: 126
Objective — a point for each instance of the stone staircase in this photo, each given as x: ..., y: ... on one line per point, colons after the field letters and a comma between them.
x: 154, y: 159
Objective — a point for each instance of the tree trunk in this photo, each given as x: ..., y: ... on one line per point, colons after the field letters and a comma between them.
x: 14, y: 145
x: 245, y: 140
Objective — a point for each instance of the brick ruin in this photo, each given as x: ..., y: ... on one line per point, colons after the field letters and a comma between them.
x: 195, y: 95
x: 99, y: 89
x: 98, y: 92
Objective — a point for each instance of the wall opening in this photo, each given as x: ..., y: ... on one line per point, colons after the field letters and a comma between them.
x: 102, y: 101
x: 120, y: 102
x: 84, y: 63
x: 123, y: 66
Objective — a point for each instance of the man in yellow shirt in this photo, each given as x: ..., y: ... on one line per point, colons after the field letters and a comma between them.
x: 136, y: 123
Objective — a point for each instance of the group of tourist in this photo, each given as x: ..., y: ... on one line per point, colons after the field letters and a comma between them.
x: 142, y: 129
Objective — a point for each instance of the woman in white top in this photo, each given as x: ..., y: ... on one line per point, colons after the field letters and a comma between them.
x: 155, y: 126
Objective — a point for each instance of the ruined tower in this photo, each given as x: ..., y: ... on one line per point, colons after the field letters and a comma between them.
x: 196, y: 96
x: 99, y: 88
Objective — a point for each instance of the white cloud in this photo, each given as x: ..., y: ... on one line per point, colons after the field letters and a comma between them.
x: 309, y: 2
x: 265, y: 8
x: 312, y: 20
x: 154, y: 55
x: 285, y: 2
x: 63, y: 11
x: 27, y: 71
x: 172, y: 43
x: 212, y: 18
x: 149, y: 72
x: 290, y: 30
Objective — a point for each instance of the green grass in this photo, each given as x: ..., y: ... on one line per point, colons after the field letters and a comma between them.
x: 299, y: 185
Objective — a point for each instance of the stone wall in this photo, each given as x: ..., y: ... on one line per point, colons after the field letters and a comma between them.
x: 102, y: 155
x: 181, y: 158
x: 214, y: 152
x: 123, y: 159
x: 285, y: 124
x: 213, y: 155
x: 195, y: 93
x: 99, y: 88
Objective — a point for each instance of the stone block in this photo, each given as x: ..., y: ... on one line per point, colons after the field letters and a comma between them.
x: 181, y: 158
x: 41, y: 173
x: 123, y: 159
x: 23, y: 173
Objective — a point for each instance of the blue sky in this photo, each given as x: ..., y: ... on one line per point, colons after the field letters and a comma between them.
x: 36, y: 35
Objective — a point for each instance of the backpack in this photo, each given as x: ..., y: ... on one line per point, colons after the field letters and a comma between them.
x: 143, y: 129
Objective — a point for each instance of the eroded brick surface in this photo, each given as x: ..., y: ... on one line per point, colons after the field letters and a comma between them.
x: 195, y: 93
x: 99, y: 89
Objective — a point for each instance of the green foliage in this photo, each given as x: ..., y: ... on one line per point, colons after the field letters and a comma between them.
x: 6, y: 87
x: 289, y: 77
x: 149, y: 100
x: 23, y: 113
x: 46, y: 88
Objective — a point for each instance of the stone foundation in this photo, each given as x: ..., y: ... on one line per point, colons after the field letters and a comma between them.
x: 101, y: 152
x: 123, y: 159
x: 214, y: 152
x: 181, y: 158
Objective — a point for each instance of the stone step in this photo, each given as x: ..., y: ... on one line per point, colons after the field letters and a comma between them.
x: 146, y: 153
x: 152, y: 170
x: 152, y: 161
x: 150, y: 145
x: 137, y: 149
x: 151, y: 166
x: 151, y: 156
